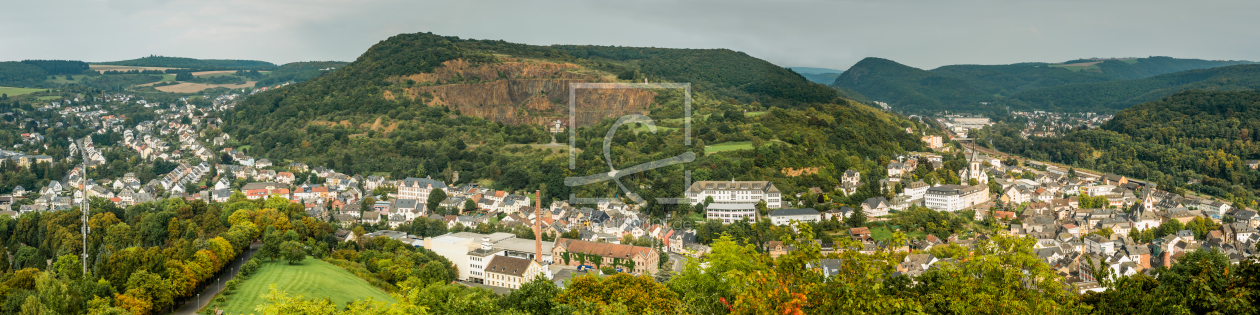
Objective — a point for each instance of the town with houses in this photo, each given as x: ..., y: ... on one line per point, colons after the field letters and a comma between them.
x: 1072, y: 238
x: 1052, y: 124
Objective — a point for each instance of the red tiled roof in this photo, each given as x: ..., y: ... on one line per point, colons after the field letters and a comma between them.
x: 603, y: 249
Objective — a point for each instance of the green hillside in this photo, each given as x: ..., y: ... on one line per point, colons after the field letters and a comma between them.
x: 1115, y: 95
x: 342, y: 120
x: 313, y: 279
x: 299, y: 71
x: 909, y: 88
x: 725, y: 72
x: 20, y: 74
x: 1192, y: 135
x: 191, y: 63
x: 1010, y: 79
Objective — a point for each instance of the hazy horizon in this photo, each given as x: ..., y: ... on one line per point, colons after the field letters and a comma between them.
x: 819, y: 34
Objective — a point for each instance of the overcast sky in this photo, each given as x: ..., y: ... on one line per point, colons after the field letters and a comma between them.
x: 826, y: 34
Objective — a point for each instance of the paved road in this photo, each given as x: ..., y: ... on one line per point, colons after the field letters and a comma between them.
x: 208, y: 294
x: 676, y: 262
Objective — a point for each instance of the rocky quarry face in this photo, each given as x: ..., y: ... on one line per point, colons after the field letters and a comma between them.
x: 524, y: 92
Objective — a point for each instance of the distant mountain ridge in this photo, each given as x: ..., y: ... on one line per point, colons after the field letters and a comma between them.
x: 904, y: 86
x: 1115, y: 95
x: 818, y: 75
x: 192, y: 63
x: 1093, y: 84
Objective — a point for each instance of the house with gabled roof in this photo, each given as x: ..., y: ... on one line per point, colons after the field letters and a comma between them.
x: 634, y: 259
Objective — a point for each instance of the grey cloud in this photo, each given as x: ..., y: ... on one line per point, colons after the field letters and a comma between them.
x: 830, y: 34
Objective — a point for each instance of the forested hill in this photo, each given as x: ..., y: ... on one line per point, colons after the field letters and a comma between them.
x: 1115, y: 95
x: 1014, y: 78
x: 1194, y: 116
x: 723, y: 71
x: 1078, y: 85
x: 431, y: 69
x: 31, y: 73
x: 427, y: 105
x: 908, y: 87
x: 191, y: 63
x: 1148, y: 67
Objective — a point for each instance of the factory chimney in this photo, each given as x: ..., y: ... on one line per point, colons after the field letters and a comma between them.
x: 538, y: 226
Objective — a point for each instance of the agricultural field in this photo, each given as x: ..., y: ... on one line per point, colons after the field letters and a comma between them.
x: 103, y: 68
x: 15, y: 91
x: 187, y: 87
x: 213, y: 73
x: 312, y: 279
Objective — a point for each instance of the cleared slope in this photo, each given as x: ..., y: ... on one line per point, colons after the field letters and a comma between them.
x: 313, y: 279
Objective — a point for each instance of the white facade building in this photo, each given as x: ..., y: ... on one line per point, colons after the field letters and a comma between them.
x: 956, y: 197
x: 418, y: 188
x: 786, y: 216
x: 733, y: 192
x: 730, y: 212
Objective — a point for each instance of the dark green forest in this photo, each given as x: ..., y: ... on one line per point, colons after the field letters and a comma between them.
x: 1015, y: 78
x: 1116, y: 95
x: 13, y: 73
x: 1193, y: 135
x: 59, y: 67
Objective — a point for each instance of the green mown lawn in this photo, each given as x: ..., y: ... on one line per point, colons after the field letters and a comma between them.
x: 313, y: 278
x: 881, y: 233
x: 728, y: 146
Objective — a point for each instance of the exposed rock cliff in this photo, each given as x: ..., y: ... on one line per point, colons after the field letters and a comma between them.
x: 524, y: 92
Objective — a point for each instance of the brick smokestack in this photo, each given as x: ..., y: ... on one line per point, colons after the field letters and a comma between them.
x: 538, y: 226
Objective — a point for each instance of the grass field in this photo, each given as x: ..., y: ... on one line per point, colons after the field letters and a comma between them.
x: 313, y: 278
x: 728, y: 146
x: 13, y: 91
x: 48, y: 98
x: 881, y: 233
